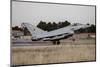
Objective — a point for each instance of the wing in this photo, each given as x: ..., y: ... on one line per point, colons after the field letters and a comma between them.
x: 61, y: 33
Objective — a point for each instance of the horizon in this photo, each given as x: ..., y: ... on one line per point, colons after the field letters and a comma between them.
x: 51, y: 23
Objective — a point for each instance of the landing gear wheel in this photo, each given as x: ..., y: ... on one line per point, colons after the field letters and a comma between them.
x: 58, y: 42
x: 54, y: 42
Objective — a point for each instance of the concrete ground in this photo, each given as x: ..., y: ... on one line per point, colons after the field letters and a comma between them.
x: 28, y: 52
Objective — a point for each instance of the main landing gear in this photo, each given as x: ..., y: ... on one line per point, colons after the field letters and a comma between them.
x: 56, y: 42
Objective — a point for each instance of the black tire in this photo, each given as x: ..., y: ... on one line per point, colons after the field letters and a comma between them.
x: 54, y: 42
x: 58, y: 42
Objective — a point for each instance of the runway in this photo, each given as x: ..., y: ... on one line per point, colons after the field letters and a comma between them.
x: 28, y: 52
x: 82, y: 49
x: 22, y: 42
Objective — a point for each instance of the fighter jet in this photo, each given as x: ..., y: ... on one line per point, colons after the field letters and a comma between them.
x: 56, y: 35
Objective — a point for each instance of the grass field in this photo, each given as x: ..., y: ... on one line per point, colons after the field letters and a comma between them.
x: 81, y: 50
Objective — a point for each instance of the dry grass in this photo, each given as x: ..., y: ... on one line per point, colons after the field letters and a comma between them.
x: 53, y: 54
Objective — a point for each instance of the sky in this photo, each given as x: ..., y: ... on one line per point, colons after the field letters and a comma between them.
x: 33, y: 13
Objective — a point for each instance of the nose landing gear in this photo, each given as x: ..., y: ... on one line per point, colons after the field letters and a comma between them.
x: 56, y: 42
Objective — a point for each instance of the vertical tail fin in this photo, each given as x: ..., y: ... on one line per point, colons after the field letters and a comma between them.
x: 32, y: 29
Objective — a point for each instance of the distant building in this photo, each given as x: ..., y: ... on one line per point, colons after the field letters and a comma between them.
x: 17, y: 34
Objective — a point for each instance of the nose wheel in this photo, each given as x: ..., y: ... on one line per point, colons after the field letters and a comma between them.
x: 56, y: 42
